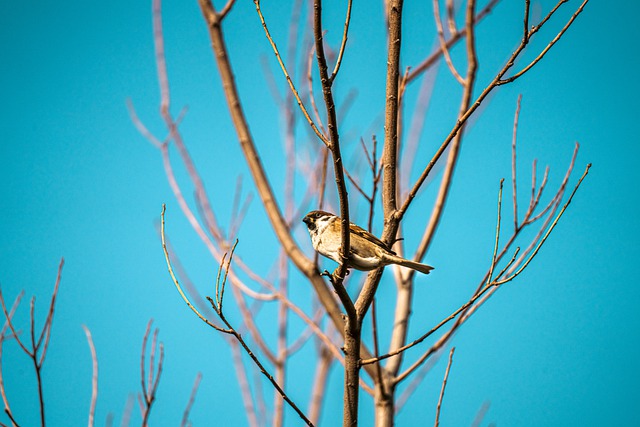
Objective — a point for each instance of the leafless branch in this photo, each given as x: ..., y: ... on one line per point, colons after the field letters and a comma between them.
x: 288, y: 77
x: 42, y: 343
x: 513, y: 163
x: 149, y: 384
x: 192, y: 398
x: 3, y: 337
x: 480, y: 415
x: 549, y: 230
x: 497, y: 81
x: 490, y: 284
x: 549, y: 46
x: 344, y: 42
x: 243, y: 382
x: 279, y: 224
x: 175, y: 280
x: 444, y: 385
x: 455, y: 38
x: 443, y: 43
x: 217, y: 305
x: 334, y: 146
x: 94, y: 377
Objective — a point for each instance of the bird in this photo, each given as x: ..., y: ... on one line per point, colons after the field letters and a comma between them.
x: 366, y: 251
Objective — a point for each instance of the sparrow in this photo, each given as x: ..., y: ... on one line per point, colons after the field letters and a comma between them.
x: 366, y: 251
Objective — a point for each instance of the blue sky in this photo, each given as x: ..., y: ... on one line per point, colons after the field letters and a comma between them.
x: 559, y: 346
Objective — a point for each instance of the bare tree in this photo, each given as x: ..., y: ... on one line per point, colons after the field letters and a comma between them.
x: 383, y: 186
x: 35, y: 346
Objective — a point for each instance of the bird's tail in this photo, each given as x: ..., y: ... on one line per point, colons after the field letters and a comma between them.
x: 422, y: 268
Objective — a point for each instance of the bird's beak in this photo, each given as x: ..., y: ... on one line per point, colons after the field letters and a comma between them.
x: 306, y: 220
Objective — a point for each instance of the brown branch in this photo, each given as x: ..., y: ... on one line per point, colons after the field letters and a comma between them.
x: 488, y: 290
x: 46, y: 329
x: 292, y: 86
x: 376, y: 348
x: 443, y: 43
x: 546, y: 235
x: 497, y: 81
x: 281, y: 357
x: 226, y: 9
x: 435, y: 56
x: 45, y: 335
x: 497, y: 239
x: 312, y: 97
x: 251, y: 326
x: 334, y: 146
x: 192, y: 398
x: 94, y: 377
x: 217, y: 306
x: 9, y: 316
x: 175, y: 280
x: 245, y: 390
x: 513, y: 162
x: 418, y: 121
x: 415, y: 382
x: 451, y: 21
x: 487, y: 283
x: 527, y: 7
x: 454, y: 148
x: 321, y: 377
x: 149, y: 389
x: 279, y: 224
x: 390, y: 153
x: 549, y: 46
x: 551, y: 208
x: 444, y: 385
x: 343, y: 44
x: 432, y: 330
x: 389, y: 159
x: 480, y: 415
x: 180, y: 271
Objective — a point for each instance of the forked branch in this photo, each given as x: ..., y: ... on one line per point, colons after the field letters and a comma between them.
x: 36, y: 350
x: 497, y: 281
x: 217, y: 305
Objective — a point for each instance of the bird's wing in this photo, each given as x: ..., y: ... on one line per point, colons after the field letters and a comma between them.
x: 368, y: 236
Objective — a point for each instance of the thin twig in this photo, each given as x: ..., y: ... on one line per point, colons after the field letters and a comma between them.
x: 217, y: 305
x: 444, y: 385
x: 243, y: 382
x: 480, y: 293
x: 344, y: 42
x: 192, y: 398
x: 497, y: 81
x: 435, y: 56
x: 225, y: 10
x: 334, y: 146
x: 287, y: 77
x: 175, y: 280
x: 451, y: 21
x: 548, y: 47
x: 443, y: 43
x: 513, y: 163
x: 9, y: 316
x: 495, y: 247
x: 149, y: 389
x: 43, y: 341
x: 94, y: 377
x: 546, y: 235
x: 527, y: 7
x: 480, y: 415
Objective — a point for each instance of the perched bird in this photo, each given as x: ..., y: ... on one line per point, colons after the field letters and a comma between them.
x: 366, y: 251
